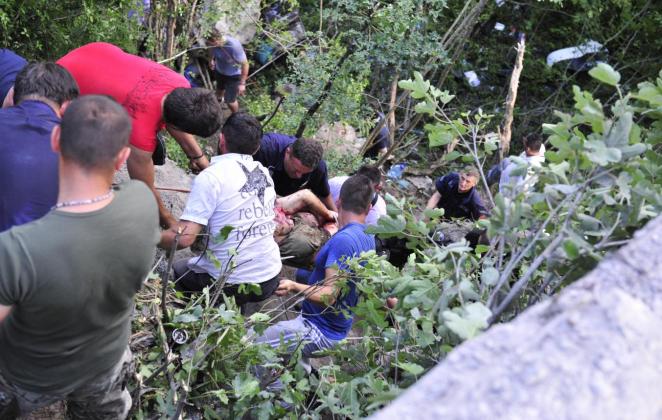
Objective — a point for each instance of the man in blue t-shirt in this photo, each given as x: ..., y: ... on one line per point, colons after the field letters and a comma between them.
x: 456, y: 193
x: 295, y: 164
x: 330, y: 294
x: 228, y: 61
x: 28, y: 165
x: 10, y: 64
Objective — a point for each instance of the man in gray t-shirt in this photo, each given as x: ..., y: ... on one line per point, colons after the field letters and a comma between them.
x: 228, y: 61
x: 67, y: 280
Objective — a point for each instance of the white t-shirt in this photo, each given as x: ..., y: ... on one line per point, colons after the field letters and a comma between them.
x: 237, y: 191
x: 376, y: 211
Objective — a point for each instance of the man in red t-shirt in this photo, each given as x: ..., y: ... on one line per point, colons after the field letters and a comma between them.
x: 155, y: 98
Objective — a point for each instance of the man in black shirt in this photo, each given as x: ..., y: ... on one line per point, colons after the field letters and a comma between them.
x: 295, y: 164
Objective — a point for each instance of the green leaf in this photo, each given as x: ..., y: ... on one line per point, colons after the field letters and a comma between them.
x: 438, y: 135
x: 571, y: 249
x: 467, y: 322
x: 245, y: 385
x: 605, y: 74
x: 426, y: 107
x: 489, y: 276
x: 619, y: 133
x: 412, y: 368
x: 221, y: 395
x: 223, y: 234
x: 388, y: 226
x: 601, y: 154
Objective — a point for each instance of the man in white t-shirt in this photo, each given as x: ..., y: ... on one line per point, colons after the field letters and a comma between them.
x: 234, y: 191
x: 378, y: 207
x: 520, y: 174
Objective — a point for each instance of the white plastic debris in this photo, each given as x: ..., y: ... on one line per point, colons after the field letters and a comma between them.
x: 590, y: 47
x: 499, y: 26
x: 499, y: 3
x: 472, y: 78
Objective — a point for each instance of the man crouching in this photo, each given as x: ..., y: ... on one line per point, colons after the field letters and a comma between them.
x: 67, y: 280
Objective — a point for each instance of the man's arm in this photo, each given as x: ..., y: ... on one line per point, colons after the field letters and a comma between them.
x: 188, y: 143
x: 140, y: 167
x: 328, y: 202
x: 306, y: 200
x: 433, y: 201
x: 324, y: 293
x: 188, y: 232
x: 4, y: 311
x: 244, y: 77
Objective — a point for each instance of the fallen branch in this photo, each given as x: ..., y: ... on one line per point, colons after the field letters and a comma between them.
x: 506, y: 133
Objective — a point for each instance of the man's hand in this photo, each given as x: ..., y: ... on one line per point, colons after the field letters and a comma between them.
x: 212, y: 64
x: 197, y: 165
x: 285, y: 287
x: 241, y: 90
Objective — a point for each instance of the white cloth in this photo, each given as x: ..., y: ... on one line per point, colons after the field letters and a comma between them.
x: 236, y: 191
x: 520, y: 174
x: 376, y: 211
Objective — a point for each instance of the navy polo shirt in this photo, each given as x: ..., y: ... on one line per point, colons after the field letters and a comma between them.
x: 271, y: 155
x: 381, y: 142
x: 459, y: 205
x: 28, y: 166
x: 10, y: 65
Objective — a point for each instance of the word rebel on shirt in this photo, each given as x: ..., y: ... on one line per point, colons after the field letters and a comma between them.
x: 255, y: 210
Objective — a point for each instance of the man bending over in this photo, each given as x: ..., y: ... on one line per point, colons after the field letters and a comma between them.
x: 234, y: 191
x: 155, y: 97
x: 67, y: 280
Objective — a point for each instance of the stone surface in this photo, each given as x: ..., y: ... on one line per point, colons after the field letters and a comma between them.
x: 339, y: 137
x: 236, y: 18
x: 592, y: 352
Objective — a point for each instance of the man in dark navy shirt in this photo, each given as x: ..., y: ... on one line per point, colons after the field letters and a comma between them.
x: 381, y: 143
x: 457, y: 195
x: 10, y: 64
x: 295, y: 164
x: 28, y: 165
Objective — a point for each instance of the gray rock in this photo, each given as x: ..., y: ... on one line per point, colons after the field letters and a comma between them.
x: 592, y: 352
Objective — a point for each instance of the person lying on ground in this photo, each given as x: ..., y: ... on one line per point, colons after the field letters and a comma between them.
x: 295, y: 164
x: 330, y: 294
x: 155, y: 97
x: 377, y: 204
x: 28, y: 165
x: 456, y: 193
x: 230, y: 66
x: 67, y: 281
x: 521, y: 176
x: 303, y: 225
x: 234, y: 191
x: 10, y: 64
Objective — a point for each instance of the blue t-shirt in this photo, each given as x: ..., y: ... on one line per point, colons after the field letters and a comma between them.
x: 10, y: 65
x: 336, y: 321
x: 456, y: 204
x: 229, y: 57
x: 28, y: 166
x: 271, y: 155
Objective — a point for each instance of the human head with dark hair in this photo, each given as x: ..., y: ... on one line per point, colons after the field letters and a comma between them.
x: 241, y: 133
x: 45, y: 80
x: 94, y: 131
x: 373, y: 174
x: 469, y: 177
x: 302, y: 157
x: 356, y: 195
x: 532, y: 144
x: 192, y: 110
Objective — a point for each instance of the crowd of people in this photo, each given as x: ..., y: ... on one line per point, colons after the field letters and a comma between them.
x: 75, y: 248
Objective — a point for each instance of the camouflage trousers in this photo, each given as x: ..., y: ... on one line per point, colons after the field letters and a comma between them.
x: 104, y: 397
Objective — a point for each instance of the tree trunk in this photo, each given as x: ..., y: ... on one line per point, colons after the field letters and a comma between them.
x: 506, y: 132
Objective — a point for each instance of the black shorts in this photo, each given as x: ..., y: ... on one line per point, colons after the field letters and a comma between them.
x: 229, y: 84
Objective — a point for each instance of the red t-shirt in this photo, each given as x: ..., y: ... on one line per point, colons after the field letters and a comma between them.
x: 135, y: 82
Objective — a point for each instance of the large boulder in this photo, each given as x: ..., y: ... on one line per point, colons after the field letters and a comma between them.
x: 592, y: 352
x: 236, y: 18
